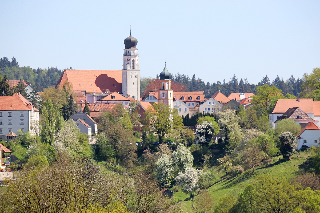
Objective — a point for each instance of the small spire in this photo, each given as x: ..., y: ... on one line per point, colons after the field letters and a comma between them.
x: 130, y: 30
x: 165, y: 64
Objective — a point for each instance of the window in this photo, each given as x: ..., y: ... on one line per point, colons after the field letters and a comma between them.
x: 198, y: 98
x: 192, y: 104
x: 162, y: 85
x: 162, y: 95
x: 315, y: 141
x: 21, y: 122
x: 133, y: 64
x: 170, y: 94
x: 22, y: 129
x: 0, y: 122
x: 179, y: 109
x: 298, y: 117
x: 209, y: 103
x: 133, y: 83
x: 9, y: 114
x: 9, y: 130
x: 188, y: 104
x: 182, y: 98
x: 205, y: 109
x: 113, y: 97
x: 131, y: 76
x: 21, y: 114
x: 9, y: 122
x: 208, y: 109
x: 304, y: 141
x: 185, y: 109
x: 190, y: 98
x: 0, y: 114
x: 0, y: 130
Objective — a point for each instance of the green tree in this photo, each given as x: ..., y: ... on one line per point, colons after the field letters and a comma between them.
x: 310, y: 86
x: 51, y: 122
x: 288, y: 144
x: 287, y: 125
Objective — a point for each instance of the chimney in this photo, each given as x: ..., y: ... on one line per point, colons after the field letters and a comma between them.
x: 298, y: 99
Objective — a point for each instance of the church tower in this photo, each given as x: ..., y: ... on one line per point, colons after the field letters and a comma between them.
x: 130, y: 69
x: 165, y: 92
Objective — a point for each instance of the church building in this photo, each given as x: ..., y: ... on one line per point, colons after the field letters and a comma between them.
x: 97, y: 84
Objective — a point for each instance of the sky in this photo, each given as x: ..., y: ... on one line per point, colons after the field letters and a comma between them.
x: 214, y: 40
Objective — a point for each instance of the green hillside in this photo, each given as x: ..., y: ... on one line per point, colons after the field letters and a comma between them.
x: 224, y: 187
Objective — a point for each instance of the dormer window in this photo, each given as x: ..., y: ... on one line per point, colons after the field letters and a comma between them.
x: 198, y: 98
x: 190, y: 98
x: 113, y: 97
x: 298, y: 117
x: 182, y: 98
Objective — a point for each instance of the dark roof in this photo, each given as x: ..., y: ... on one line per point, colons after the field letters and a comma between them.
x: 165, y: 75
x: 130, y: 42
x: 296, y: 114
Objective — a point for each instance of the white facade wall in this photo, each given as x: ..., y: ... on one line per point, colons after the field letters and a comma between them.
x: 309, y: 138
x: 210, y: 106
x: 12, y: 121
x: 131, y: 74
x: 183, y: 109
x: 84, y: 129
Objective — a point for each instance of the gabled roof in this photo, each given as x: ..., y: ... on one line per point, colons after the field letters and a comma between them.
x: 218, y: 96
x: 189, y: 96
x: 146, y: 106
x: 98, y: 81
x: 236, y: 96
x: 283, y: 105
x: 296, y: 114
x: 15, y: 102
x: 310, y: 126
x: 115, y: 97
x: 84, y: 123
x: 12, y: 134
x: 13, y: 83
x: 5, y: 149
x: 80, y: 97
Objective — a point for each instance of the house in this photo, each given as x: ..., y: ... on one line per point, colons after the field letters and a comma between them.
x: 84, y: 127
x: 98, y: 109
x: 296, y: 114
x: 220, y: 97
x: 5, y: 154
x: 282, y: 105
x: 182, y: 107
x: 240, y: 96
x: 13, y: 83
x: 246, y: 102
x: 85, y: 120
x: 210, y: 106
x: 232, y: 104
x: 309, y: 136
x: 17, y: 113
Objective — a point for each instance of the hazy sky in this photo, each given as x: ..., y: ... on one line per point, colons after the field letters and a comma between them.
x: 212, y: 39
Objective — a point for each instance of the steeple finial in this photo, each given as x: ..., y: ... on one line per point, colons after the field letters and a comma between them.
x: 165, y: 64
x: 130, y: 30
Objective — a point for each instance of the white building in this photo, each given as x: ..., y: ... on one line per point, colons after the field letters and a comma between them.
x: 16, y: 113
x: 210, y: 106
x: 309, y: 136
x: 183, y: 109
x: 130, y: 69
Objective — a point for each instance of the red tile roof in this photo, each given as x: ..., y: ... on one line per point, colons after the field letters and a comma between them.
x: 246, y: 101
x: 15, y: 102
x: 310, y: 126
x: 283, y: 105
x: 218, y: 96
x: 236, y: 96
x: 84, y: 123
x: 12, y: 134
x: 146, y: 105
x: 194, y: 95
x: 13, y: 83
x: 98, y: 81
x: 316, y: 108
x: 297, y: 115
x: 5, y: 149
x: 115, y: 97
x: 80, y: 97
x: 100, y: 107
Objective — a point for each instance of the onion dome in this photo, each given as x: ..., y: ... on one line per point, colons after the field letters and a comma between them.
x: 130, y: 42
x: 165, y: 75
